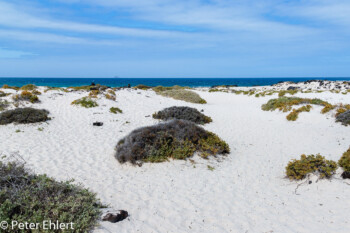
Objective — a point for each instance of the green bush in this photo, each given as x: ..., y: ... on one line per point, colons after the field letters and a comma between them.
x: 85, y: 102
x: 298, y: 169
x: 29, y: 87
x: 27, y: 197
x: 293, y: 116
x: 182, y: 113
x: 115, y: 110
x: 177, y: 139
x: 23, y: 116
x: 344, y: 161
x: 185, y: 95
x: 285, y: 104
x: 26, y: 96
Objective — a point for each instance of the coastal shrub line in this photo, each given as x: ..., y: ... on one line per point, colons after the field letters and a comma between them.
x: 115, y: 110
x: 176, y: 139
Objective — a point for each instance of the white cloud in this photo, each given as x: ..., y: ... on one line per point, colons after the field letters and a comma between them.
x: 6, y: 53
x: 11, y: 17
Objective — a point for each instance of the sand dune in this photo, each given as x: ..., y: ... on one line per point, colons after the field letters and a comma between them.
x: 246, y: 192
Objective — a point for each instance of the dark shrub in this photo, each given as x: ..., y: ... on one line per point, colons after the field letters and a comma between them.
x: 344, y: 118
x: 27, y: 197
x: 298, y: 169
x: 182, y: 113
x: 177, y: 139
x: 344, y: 161
x: 3, y: 104
x: 23, y: 116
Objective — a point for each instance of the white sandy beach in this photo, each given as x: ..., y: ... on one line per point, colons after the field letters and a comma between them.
x: 246, y: 192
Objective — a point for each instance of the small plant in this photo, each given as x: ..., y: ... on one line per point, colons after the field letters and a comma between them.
x: 40, y: 129
x: 344, y: 161
x: 210, y: 168
x: 111, y: 92
x: 298, y: 169
x: 18, y: 131
x: 94, y: 93
x: 182, y: 113
x: 23, y: 116
x: 36, y: 92
x: 85, y: 102
x: 115, y: 110
x: 176, y: 139
x: 293, y: 116
x: 26, y: 96
x: 110, y: 97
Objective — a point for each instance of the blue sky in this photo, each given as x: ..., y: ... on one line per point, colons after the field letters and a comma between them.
x: 175, y: 38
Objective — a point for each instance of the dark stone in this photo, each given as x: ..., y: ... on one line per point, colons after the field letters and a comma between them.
x: 92, y: 84
x: 129, y: 85
x: 345, y: 175
x: 94, y: 88
x: 97, y: 123
x: 117, y: 217
x: 310, y: 182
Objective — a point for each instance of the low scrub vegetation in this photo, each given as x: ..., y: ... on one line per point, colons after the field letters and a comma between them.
x: 85, y: 102
x: 344, y: 161
x: 115, y: 110
x: 29, y: 87
x: 27, y: 197
x: 185, y: 95
x: 110, y: 97
x: 26, y: 96
x: 142, y: 87
x: 176, y: 139
x: 182, y: 113
x: 3, y: 104
x: 23, y: 116
x: 285, y: 104
x: 56, y: 89
x: 298, y: 169
x: 5, y: 86
x: 293, y: 116
x: 344, y: 118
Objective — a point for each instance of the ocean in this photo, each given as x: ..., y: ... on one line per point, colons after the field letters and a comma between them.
x: 120, y: 82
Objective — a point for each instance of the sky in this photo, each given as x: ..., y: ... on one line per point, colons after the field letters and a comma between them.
x: 174, y: 38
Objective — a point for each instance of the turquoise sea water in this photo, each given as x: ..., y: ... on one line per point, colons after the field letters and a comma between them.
x: 120, y: 82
